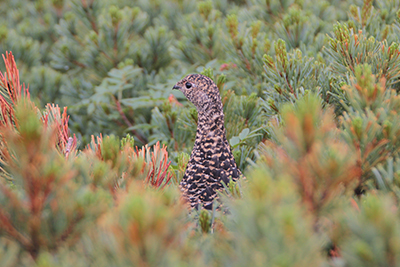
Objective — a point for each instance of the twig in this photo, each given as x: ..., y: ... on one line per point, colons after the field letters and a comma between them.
x: 120, y: 111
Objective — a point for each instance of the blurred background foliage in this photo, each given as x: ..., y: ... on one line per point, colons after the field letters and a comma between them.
x: 311, y: 100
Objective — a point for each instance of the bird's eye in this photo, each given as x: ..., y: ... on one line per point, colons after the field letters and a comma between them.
x: 188, y: 85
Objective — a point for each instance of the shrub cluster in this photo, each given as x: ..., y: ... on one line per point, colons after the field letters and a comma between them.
x: 312, y: 112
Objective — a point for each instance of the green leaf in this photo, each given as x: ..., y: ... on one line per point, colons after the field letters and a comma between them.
x: 234, y: 141
x: 244, y: 133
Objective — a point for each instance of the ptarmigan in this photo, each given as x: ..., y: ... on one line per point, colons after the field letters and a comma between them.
x: 211, y: 160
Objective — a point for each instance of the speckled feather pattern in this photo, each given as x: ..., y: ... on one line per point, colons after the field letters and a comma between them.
x: 211, y: 160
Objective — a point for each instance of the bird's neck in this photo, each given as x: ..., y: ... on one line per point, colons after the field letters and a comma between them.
x: 211, y: 122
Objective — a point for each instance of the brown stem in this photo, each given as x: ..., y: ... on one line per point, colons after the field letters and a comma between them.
x: 70, y: 228
x: 79, y: 64
x: 121, y: 112
x: 291, y: 88
x: 12, y: 231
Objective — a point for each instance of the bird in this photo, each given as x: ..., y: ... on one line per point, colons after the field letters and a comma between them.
x: 211, y: 161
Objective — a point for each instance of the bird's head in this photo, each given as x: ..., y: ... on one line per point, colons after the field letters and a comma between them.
x: 201, y: 91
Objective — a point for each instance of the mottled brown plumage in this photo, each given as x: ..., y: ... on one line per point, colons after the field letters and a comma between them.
x: 211, y: 160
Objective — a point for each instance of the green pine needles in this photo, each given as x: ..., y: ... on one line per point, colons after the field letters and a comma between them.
x: 94, y: 142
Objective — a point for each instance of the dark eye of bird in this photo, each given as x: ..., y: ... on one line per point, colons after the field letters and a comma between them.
x: 188, y: 85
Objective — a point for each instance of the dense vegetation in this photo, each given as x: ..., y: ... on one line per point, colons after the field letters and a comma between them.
x: 312, y: 111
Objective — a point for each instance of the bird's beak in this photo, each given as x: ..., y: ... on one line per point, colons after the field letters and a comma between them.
x: 176, y: 87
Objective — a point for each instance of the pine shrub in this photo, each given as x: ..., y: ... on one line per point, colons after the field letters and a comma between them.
x: 94, y: 143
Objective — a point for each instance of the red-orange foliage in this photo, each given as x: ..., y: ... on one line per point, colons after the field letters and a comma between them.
x: 14, y: 92
x: 158, y: 174
x: 65, y: 143
x: 155, y: 160
x: 10, y: 81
